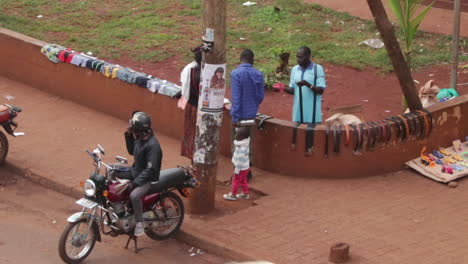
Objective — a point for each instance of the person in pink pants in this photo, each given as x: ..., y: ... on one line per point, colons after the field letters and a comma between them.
x: 240, y: 159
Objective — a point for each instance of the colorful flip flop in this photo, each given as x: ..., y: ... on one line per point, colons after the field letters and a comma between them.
x: 444, y: 152
x: 447, y: 169
x: 439, y: 161
x: 437, y: 154
x: 449, y: 160
x: 457, y: 158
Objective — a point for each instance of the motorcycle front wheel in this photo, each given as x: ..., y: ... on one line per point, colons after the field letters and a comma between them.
x: 3, y: 147
x: 170, y: 222
x: 76, y: 242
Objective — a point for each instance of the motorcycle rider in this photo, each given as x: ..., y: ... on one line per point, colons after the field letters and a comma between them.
x: 144, y: 146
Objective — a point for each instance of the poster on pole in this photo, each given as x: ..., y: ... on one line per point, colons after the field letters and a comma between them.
x: 213, y: 84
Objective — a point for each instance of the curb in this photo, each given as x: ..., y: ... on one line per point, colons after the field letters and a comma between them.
x: 42, y: 180
x: 210, y: 245
x: 189, y: 237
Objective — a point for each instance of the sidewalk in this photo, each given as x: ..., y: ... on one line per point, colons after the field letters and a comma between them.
x: 438, y: 20
x: 397, y: 218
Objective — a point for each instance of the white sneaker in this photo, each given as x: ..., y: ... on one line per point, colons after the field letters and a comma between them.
x: 139, y: 229
x: 243, y: 196
x: 229, y: 197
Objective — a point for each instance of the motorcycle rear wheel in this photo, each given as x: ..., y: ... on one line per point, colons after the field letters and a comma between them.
x: 72, y: 237
x: 162, y: 230
x: 3, y: 147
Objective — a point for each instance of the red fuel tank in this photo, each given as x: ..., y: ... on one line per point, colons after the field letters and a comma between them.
x: 4, y: 113
x: 116, y: 194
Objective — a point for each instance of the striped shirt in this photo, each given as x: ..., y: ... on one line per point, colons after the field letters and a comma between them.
x: 240, y: 157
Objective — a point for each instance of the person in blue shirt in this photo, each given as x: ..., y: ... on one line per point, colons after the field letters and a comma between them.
x: 247, y: 91
x: 306, y: 88
x: 247, y: 88
x: 307, y: 84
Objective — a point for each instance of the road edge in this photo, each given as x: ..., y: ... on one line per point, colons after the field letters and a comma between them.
x: 192, y: 237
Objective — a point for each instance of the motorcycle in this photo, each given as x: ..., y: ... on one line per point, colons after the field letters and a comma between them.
x: 107, y: 208
x: 7, y: 115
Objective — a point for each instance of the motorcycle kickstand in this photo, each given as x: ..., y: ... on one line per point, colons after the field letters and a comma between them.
x: 134, y: 238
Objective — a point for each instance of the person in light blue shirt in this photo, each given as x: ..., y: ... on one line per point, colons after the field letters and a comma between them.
x: 307, y: 88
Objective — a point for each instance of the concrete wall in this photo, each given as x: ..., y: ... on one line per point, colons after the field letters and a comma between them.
x: 22, y: 61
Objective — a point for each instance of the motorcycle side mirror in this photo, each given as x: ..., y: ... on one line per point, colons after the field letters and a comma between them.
x: 101, y: 149
x: 121, y: 159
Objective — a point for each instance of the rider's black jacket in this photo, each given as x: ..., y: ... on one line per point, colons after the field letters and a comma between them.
x: 148, y: 157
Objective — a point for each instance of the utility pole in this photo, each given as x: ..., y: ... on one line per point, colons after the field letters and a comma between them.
x: 455, y: 41
x: 210, y: 105
x: 396, y: 56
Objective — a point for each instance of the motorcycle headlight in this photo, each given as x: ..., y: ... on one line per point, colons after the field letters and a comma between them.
x: 89, y: 188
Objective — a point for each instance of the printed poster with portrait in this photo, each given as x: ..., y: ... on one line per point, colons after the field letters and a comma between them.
x: 213, y: 83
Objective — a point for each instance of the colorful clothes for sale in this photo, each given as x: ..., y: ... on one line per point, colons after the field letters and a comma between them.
x: 80, y: 60
x: 114, y: 72
x: 70, y: 56
x: 142, y: 81
x: 124, y: 74
x: 170, y: 89
x: 51, y: 51
x: 154, y: 84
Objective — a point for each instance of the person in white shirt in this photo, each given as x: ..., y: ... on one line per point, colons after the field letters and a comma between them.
x: 190, y: 83
x: 241, y: 161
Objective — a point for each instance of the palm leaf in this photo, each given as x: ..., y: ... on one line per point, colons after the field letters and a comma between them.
x: 396, y: 9
x: 414, y: 24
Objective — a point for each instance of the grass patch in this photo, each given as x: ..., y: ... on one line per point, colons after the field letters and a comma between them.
x: 156, y: 30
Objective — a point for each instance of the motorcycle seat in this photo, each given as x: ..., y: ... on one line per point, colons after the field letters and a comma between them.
x: 168, y: 178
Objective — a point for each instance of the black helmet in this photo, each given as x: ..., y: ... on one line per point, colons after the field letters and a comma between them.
x: 140, y: 124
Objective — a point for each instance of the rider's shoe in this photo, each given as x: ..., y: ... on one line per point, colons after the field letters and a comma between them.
x: 139, y: 229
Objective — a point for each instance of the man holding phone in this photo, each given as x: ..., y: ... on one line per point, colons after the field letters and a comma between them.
x: 307, y: 85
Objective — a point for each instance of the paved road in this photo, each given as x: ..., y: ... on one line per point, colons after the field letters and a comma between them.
x: 32, y: 219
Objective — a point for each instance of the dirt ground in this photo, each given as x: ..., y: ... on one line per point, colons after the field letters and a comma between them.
x: 379, y: 94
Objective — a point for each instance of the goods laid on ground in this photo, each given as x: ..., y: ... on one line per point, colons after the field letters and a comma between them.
x: 444, y: 164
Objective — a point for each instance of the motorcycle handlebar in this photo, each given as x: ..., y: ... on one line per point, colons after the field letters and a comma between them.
x: 93, y: 156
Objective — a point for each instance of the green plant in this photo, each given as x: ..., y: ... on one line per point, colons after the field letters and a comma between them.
x: 405, y: 11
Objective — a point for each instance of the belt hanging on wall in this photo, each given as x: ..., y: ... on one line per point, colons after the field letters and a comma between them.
x: 347, y: 134
x: 327, y: 133
x: 336, y: 138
